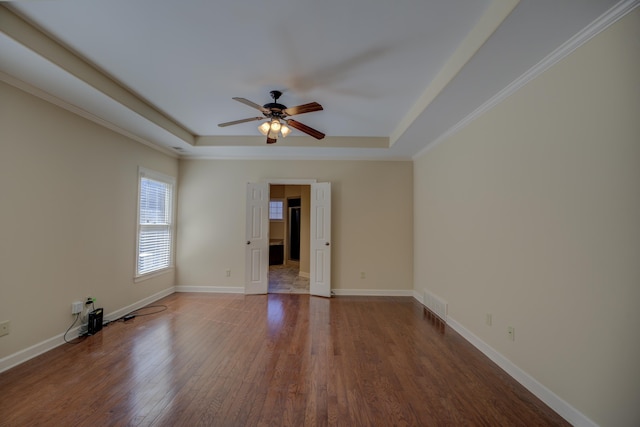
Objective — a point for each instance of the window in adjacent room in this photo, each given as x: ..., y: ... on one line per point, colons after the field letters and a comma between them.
x: 155, y: 222
x: 276, y: 210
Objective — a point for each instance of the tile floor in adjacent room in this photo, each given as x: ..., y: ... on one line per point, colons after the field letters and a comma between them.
x: 285, y: 279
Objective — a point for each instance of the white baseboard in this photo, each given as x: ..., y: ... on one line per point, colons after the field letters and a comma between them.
x: 211, y: 289
x: 419, y: 296
x: 351, y: 292
x: 28, y: 353
x: 15, y: 359
x: 374, y: 292
x: 139, y: 304
x: 304, y: 274
x: 564, y: 409
x: 552, y: 400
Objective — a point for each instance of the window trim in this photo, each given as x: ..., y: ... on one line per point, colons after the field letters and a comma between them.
x: 170, y: 180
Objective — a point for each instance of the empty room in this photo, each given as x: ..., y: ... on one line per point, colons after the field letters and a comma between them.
x: 416, y: 213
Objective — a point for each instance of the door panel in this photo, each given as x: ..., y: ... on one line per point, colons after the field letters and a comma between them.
x: 320, y: 283
x: 257, y: 242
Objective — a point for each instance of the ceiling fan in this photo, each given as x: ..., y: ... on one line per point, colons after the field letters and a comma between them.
x: 277, y: 115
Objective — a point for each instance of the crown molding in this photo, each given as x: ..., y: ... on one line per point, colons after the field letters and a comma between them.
x: 36, y: 40
x: 600, y: 24
x: 489, y: 22
x: 52, y: 99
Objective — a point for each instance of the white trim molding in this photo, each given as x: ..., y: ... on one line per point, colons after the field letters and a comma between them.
x: 494, y: 15
x: 139, y: 304
x: 212, y: 289
x: 287, y: 181
x: 52, y: 99
x: 335, y: 292
x: 28, y: 353
x: 35, y: 350
x: 564, y: 409
x: 419, y: 296
x: 583, y: 36
x: 373, y: 292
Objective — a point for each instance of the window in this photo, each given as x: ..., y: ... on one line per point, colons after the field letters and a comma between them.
x: 155, y: 222
x: 276, y: 210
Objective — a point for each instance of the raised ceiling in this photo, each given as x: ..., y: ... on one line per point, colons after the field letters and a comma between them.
x: 393, y: 77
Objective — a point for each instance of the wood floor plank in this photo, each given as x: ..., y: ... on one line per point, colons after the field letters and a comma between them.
x: 235, y: 360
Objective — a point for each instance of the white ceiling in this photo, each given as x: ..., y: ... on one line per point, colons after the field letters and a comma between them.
x: 393, y: 77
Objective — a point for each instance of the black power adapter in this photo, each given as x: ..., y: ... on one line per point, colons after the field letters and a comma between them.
x: 95, y: 321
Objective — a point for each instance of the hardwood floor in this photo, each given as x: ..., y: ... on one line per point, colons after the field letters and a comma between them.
x: 234, y: 360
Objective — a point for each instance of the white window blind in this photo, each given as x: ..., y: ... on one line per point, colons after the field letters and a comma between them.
x: 155, y: 225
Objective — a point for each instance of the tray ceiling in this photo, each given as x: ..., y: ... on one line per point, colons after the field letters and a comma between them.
x: 392, y: 77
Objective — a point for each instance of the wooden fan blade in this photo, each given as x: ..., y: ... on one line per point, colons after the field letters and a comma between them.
x: 271, y: 140
x: 306, y: 129
x: 235, y: 122
x: 252, y: 104
x: 304, y: 108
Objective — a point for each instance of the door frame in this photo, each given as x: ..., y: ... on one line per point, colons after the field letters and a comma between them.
x: 286, y: 181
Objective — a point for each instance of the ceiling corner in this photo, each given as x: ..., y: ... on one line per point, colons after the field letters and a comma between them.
x: 491, y: 19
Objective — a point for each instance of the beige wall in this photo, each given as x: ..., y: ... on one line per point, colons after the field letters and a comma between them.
x: 371, y: 219
x: 532, y: 213
x: 68, y: 213
x: 276, y: 229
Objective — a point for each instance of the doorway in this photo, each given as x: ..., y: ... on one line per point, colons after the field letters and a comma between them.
x: 289, y: 239
x: 317, y: 250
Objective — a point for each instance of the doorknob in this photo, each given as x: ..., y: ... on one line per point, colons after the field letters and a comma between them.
x: 248, y: 242
x: 327, y: 244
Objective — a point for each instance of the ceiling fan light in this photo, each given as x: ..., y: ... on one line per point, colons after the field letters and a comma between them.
x: 275, y: 125
x: 272, y: 134
x: 264, y: 128
x: 284, y: 130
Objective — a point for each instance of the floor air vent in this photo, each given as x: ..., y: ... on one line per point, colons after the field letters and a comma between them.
x: 436, y: 305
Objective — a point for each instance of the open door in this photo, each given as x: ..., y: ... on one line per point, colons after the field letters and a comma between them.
x: 257, y: 244
x: 320, y: 283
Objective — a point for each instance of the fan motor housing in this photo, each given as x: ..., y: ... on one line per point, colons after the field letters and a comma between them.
x: 275, y: 107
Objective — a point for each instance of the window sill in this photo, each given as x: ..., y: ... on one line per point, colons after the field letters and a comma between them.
x: 138, y: 279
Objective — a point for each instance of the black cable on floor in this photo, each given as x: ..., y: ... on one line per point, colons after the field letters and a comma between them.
x: 134, y: 312
x: 65, y: 334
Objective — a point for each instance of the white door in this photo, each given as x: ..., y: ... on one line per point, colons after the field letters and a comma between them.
x: 320, y: 282
x: 257, y: 243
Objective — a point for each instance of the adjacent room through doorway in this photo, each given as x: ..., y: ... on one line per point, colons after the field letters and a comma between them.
x: 289, y: 213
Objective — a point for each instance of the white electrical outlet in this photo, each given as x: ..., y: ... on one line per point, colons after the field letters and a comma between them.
x: 76, y: 307
x: 228, y: 273
x: 4, y: 328
x: 511, y: 333
x: 488, y: 319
